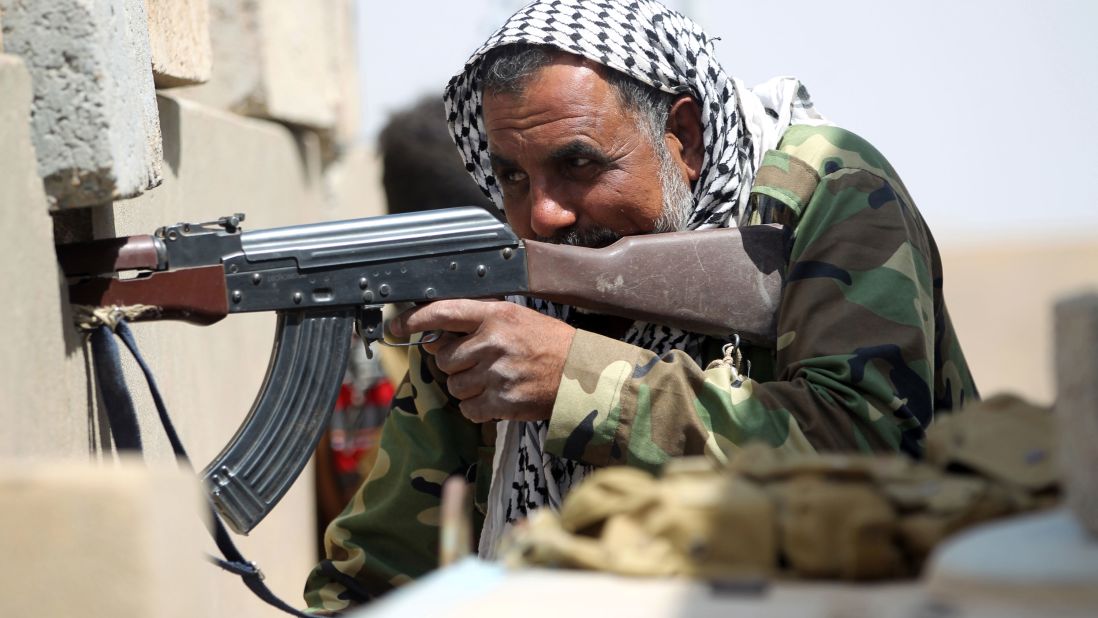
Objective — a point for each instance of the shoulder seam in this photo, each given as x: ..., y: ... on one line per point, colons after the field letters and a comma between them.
x: 786, y: 178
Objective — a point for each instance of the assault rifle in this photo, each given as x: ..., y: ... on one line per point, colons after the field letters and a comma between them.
x: 324, y: 279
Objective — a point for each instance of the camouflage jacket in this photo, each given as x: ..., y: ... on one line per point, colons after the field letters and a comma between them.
x: 866, y: 356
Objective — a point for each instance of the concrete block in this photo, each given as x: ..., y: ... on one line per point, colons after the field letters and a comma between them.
x: 344, y: 67
x: 179, y: 39
x: 219, y: 163
x: 95, y: 128
x: 42, y: 382
x: 295, y: 47
x: 272, y: 60
x: 1076, y: 324
x: 102, y: 540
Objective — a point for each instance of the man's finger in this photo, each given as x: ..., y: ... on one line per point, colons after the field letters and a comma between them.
x: 456, y: 354
x: 459, y: 316
x: 444, y: 339
x: 477, y: 409
x: 466, y: 385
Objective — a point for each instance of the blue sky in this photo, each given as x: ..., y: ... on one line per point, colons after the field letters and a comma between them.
x: 987, y: 109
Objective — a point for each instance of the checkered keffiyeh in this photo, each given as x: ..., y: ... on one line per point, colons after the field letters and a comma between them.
x: 661, y: 48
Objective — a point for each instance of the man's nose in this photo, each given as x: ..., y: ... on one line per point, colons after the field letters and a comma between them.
x: 548, y: 215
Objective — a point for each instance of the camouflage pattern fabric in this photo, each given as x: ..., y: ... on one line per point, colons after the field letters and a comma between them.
x: 866, y: 351
x: 866, y: 357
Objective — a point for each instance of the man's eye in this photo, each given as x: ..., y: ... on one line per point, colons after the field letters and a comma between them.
x: 580, y: 162
x: 513, y: 177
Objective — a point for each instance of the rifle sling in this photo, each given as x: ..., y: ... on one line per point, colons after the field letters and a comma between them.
x: 122, y: 418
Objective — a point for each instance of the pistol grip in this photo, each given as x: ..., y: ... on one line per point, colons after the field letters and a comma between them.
x: 256, y: 468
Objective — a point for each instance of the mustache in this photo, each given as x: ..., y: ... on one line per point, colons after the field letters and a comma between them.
x: 592, y: 237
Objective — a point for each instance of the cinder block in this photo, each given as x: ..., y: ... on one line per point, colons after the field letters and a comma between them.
x: 1077, y: 403
x: 42, y: 405
x: 90, y: 540
x: 272, y: 60
x: 344, y: 66
x: 95, y: 127
x: 179, y: 39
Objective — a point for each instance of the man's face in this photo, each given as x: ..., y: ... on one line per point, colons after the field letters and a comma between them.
x: 571, y: 161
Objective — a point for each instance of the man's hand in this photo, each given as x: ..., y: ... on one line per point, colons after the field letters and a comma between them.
x: 503, y: 360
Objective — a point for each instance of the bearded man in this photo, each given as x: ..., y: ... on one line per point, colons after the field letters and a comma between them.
x: 587, y: 121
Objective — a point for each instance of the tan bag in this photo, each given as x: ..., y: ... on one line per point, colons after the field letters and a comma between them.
x: 832, y: 516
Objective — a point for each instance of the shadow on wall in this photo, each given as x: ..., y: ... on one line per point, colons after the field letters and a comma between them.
x: 169, y: 132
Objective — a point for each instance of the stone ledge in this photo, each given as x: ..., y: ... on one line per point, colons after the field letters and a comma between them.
x: 117, y: 539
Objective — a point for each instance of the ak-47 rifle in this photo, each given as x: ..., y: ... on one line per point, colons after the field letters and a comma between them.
x: 324, y: 279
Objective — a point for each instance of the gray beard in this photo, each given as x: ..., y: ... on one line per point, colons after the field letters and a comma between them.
x: 678, y: 201
x: 678, y: 198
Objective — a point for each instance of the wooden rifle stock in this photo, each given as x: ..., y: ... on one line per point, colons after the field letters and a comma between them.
x: 715, y: 282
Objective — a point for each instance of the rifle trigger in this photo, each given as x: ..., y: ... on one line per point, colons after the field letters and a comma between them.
x: 430, y: 336
x: 368, y: 327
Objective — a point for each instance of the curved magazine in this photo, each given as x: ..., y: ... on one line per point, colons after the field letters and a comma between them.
x: 256, y: 468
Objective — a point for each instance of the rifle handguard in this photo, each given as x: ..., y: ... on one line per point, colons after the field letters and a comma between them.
x: 288, y: 417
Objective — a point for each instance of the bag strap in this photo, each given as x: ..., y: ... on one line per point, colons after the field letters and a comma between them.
x: 122, y: 418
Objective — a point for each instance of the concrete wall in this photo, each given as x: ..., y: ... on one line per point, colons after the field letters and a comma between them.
x: 43, y: 402
x: 275, y: 60
x: 95, y: 129
x: 214, y: 162
x: 102, y: 542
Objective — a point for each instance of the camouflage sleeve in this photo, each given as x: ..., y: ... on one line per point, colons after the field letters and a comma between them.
x: 388, y: 534
x: 853, y: 369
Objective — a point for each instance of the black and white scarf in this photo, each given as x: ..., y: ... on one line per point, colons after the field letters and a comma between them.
x: 661, y: 48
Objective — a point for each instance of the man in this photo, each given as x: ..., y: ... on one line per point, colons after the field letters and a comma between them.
x: 420, y: 168
x: 588, y: 121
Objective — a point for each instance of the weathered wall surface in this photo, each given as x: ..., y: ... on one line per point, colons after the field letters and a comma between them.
x: 1001, y: 299
x: 1076, y: 328
x: 210, y: 162
x: 101, y: 542
x: 43, y: 402
x: 179, y: 41
x: 275, y: 60
x: 95, y: 129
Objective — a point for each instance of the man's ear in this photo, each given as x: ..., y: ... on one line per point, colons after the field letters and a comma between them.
x: 684, y: 135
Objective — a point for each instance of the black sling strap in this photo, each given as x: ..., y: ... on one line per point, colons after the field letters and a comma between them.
x: 122, y: 417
